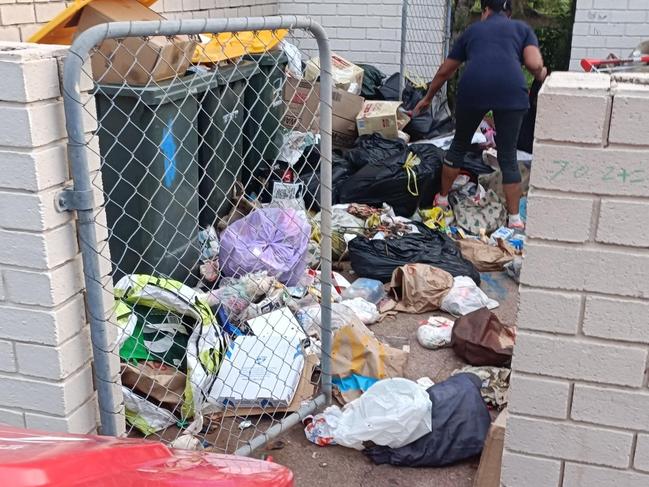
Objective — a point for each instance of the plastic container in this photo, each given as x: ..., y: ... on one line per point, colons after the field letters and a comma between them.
x: 368, y: 289
x: 264, y: 109
x: 148, y: 139
x: 221, y: 116
x: 29, y: 458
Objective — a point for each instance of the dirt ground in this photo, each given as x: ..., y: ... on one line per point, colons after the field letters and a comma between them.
x: 317, y: 466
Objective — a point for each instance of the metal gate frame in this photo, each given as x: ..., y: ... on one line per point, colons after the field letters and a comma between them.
x: 79, y: 198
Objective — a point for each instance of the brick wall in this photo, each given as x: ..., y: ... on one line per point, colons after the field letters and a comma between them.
x: 19, y: 19
x: 369, y: 31
x: 45, y: 371
x: 608, y: 26
x: 580, y: 403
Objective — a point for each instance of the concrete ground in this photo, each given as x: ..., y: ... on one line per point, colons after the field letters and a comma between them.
x: 334, y: 465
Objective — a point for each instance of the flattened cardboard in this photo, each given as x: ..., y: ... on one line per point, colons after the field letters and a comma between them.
x: 302, y: 100
x: 134, y: 60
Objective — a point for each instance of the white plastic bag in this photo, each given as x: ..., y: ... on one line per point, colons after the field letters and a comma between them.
x: 393, y: 412
x: 294, y: 58
x: 465, y: 296
x: 144, y: 415
x: 435, y: 333
x: 367, y: 312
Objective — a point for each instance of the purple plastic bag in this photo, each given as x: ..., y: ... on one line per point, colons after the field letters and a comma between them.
x: 269, y: 239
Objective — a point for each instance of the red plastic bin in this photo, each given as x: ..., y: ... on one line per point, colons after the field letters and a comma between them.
x: 31, y: 458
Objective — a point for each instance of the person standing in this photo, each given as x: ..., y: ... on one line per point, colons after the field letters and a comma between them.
x: 493, y: 50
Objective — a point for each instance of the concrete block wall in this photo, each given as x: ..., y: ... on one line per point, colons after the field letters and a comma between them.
x: 580, y: 398
x: 369, y: 31
x: 608, y: 26
x: 45, y: 358
x: 199, y: 9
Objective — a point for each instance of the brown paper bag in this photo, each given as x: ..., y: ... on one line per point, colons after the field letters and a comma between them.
x: 419, y: 288
x: 486, y: 258
x: 481, y: 339
x: 357, y: 352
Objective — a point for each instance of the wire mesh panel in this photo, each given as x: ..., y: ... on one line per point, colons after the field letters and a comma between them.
x: 207, y: 248
x: 424, y: 37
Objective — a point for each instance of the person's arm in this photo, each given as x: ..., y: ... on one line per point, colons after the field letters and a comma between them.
x: 444, y: 73
x: 533, y: 61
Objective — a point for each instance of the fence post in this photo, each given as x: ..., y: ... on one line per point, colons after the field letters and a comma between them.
x: 404, y: 33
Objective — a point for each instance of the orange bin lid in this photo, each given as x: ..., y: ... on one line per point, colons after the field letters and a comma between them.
x: 61, y: 29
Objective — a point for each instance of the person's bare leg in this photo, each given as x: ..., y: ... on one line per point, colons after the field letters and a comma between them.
x: 449, y: 174
x: 512, y: 197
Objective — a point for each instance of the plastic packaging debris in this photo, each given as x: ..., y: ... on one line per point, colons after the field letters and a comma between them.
x: 270, y: 239
x: 481, y: 339
x: 369, y: 289
x: 294, y: 58
x: 495, y: 384
x: 460, y: 421
x: 465, y: 297
x: 502, y: 233
x: 187, y: 442
x: 419, y: 287
x: 377, y: 259
x: 245, y: 425
x: 341, y: 315
x: 236, y: 294
x: 144, y: 415
x: 425, y: 382
x: 359, y: 359
x: 392, y: 412
x: 318, y: 431
x: 294, y: 145
x: 209, y: 242
x: 366, y: 311
x: 513, y: 269
x: 435, y: 333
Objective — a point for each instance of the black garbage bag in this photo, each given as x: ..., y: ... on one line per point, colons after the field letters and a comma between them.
x: 377, y: 259
x: 373, y: 148
x: 341, y: 170
x: 432, y: 123
x: 460, y: 424
x: 372, y: 81
x: 381, y: 181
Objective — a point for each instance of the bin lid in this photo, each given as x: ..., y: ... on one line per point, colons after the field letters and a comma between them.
x: 231, y: 45
x: 61, y: 29
x: 30, y: 458
x: 178, y: 88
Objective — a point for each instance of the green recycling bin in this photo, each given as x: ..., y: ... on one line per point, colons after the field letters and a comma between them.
x: 148, y: 140
x: 220, y: 120
x: 264, y: 110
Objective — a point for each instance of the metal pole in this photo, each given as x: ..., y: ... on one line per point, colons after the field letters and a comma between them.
x: 402, y: 61
x: 279, y: 428
x: 448, y: 28
x: 326, y: 90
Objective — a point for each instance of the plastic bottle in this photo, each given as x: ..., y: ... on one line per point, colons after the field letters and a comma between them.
x: 369, y: 289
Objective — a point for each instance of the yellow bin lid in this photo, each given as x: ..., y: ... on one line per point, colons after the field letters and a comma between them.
x: 61, y: 29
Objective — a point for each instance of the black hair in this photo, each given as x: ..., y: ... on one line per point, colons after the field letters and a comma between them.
x: 495, y: 5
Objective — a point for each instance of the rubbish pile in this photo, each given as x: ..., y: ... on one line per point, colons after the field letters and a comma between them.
x: 233, y: 327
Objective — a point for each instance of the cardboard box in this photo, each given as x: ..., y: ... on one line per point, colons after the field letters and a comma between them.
x: 488, y: 474
x: 306, y: 390
x: 134, y: 60
x: 279, y: 322
x: 346, y: 76
x: 302, y: 100
x: 382, y: 117
x: 259, y: 372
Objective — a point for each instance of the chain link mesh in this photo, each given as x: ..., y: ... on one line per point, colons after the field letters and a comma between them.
x: 425, y: 33
x: 207, y: 237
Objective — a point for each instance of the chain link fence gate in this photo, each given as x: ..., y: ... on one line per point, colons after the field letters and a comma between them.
x: 425, y: 37
x: 195, y: 192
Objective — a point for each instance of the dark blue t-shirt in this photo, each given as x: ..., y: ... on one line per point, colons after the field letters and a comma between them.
x: 493, y: 52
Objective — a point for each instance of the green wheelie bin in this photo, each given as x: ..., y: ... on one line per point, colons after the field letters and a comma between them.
x: 148, y: 140
x: 264, y: 110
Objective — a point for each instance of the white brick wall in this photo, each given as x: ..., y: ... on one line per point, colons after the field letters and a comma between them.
x: 579, y: 404
x: 369, y: 31
x: 608, y: 26
x: 45, y: 371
